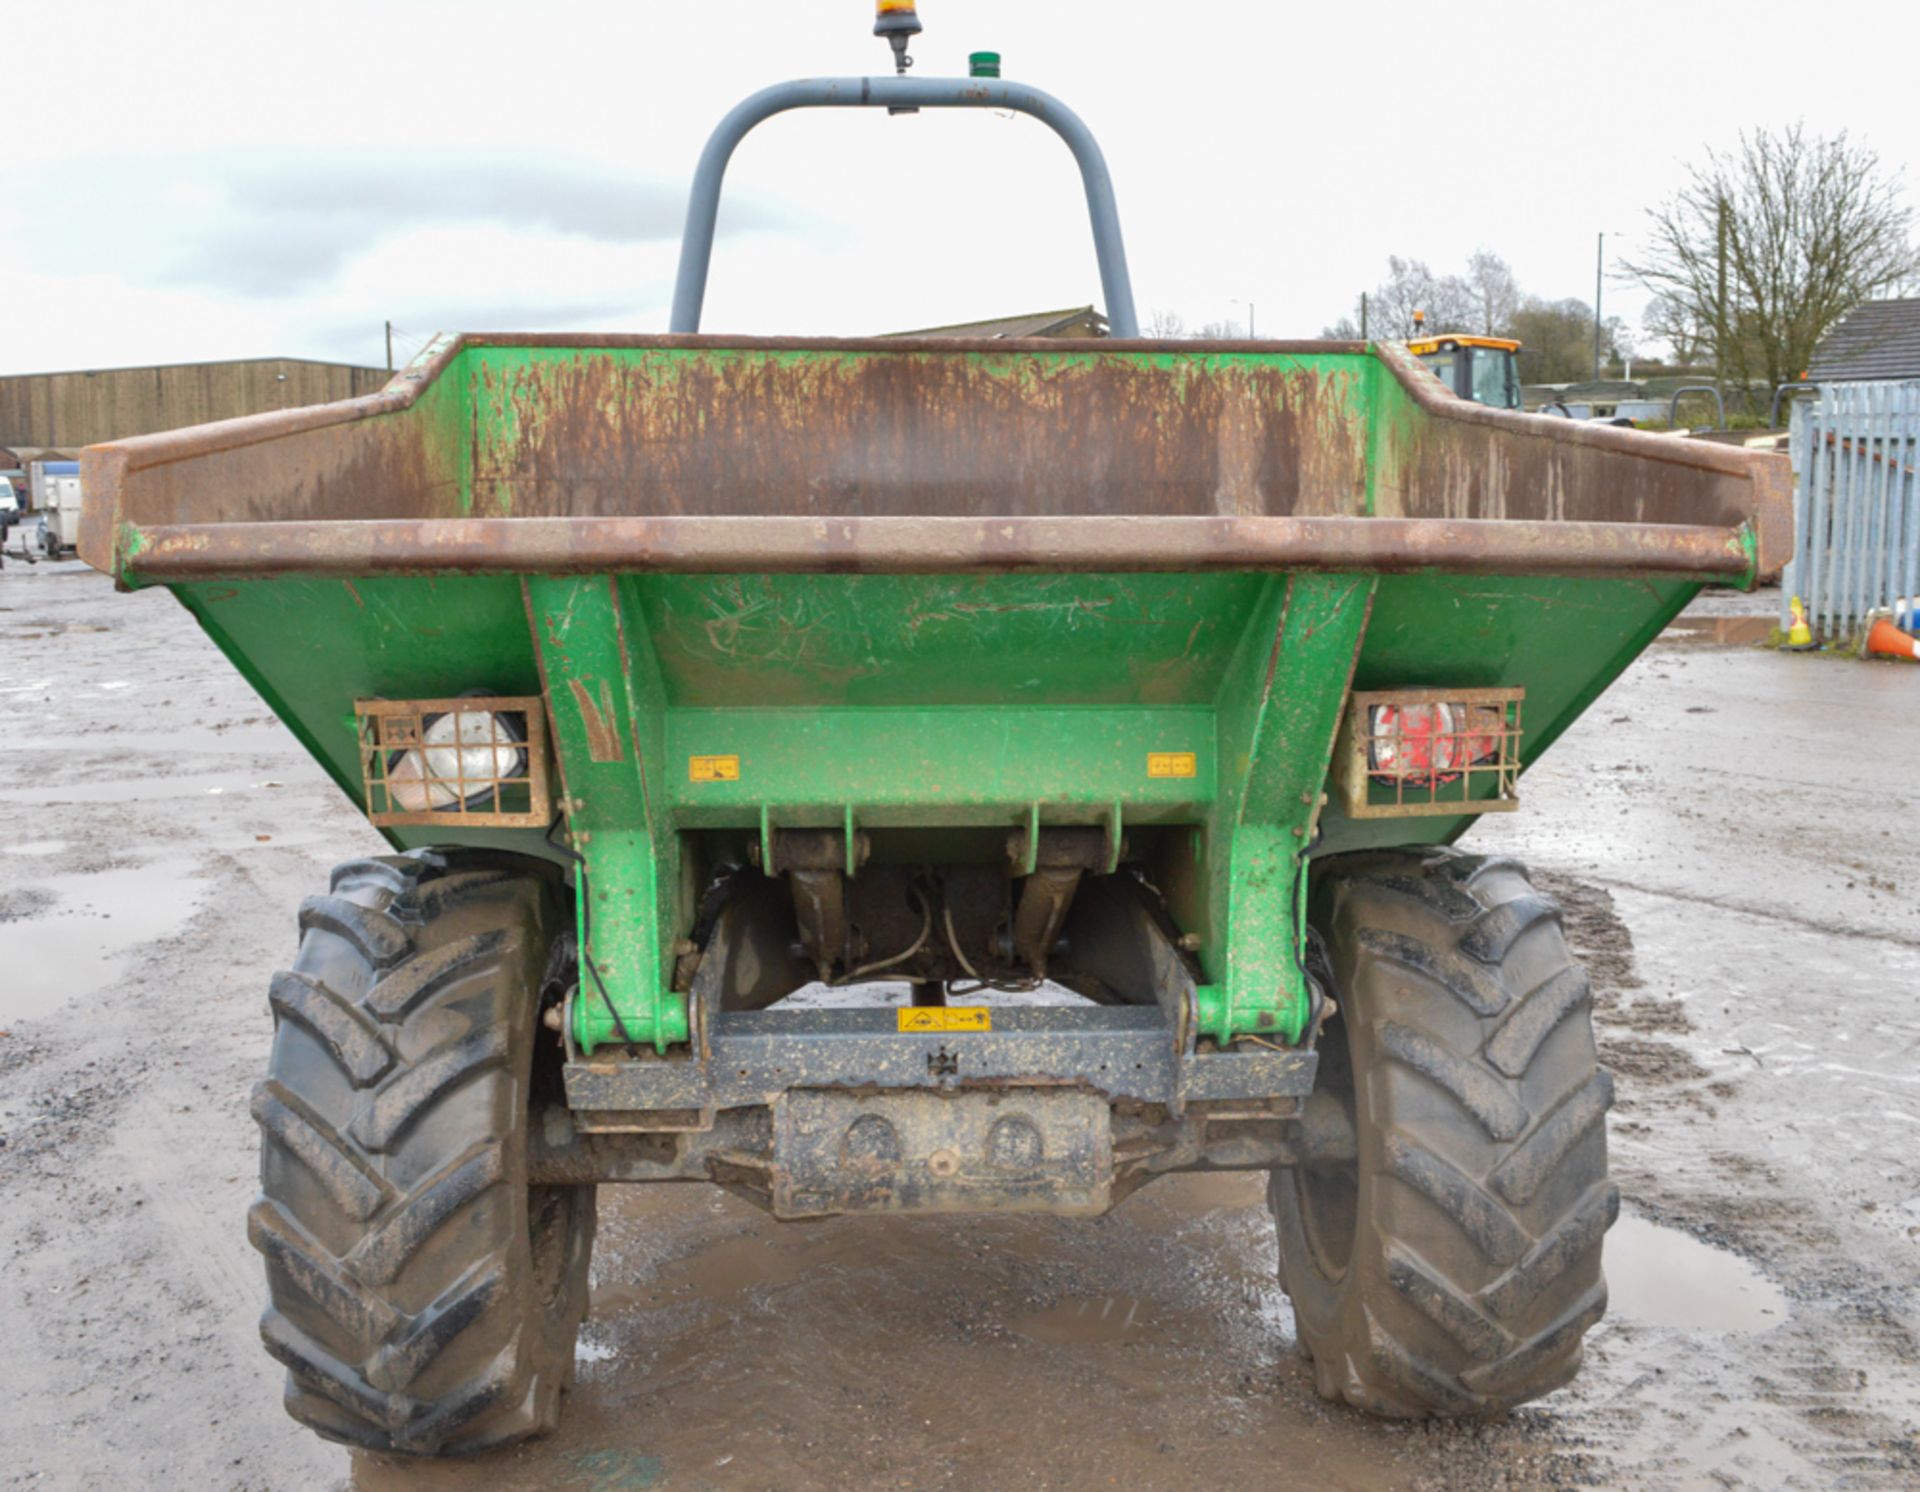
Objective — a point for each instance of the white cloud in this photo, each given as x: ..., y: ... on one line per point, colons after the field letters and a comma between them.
x: 223, y: 179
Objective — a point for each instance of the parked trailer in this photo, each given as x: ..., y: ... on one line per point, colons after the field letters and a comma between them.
x: 56, y: 488
x: 684, y: 672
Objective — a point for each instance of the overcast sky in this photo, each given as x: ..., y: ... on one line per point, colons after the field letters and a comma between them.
x: 196, y: 180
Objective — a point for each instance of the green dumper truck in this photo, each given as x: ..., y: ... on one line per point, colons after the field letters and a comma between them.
x: 923, y: 776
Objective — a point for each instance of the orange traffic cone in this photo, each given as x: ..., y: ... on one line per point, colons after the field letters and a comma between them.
x: 1888, y: 641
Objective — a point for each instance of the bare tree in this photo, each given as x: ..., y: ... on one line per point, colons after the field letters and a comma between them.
x: 1483, y: 300
x: 1556, y: 340
x: 1496, y: 292
x: 1171, y: 324
x: 1766, y: 247
x: 1672, y: 321
x: 1448, y: 302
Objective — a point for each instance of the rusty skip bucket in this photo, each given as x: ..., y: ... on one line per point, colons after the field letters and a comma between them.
x: 798, y: 554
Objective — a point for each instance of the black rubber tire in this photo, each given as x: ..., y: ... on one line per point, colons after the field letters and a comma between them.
x: 425, y: 1299
x: 1453, y: 1267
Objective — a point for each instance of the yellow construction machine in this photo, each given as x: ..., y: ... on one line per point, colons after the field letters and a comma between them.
x: 1483, y: 369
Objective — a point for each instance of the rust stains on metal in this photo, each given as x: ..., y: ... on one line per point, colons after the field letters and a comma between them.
x: 563, y: 546
x: 601, y: 722
x: 636, y: 453
x: 918, y: 431
x: 1470, y: 461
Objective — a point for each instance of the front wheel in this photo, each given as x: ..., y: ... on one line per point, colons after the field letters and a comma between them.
x: 1447, y: 1262
x: 425, y: 1298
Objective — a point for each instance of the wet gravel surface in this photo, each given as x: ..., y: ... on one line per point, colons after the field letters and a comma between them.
x: 1739, y: 811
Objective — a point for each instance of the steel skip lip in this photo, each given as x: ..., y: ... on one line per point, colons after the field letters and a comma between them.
x: 932, y: 545
x: 612, y: 431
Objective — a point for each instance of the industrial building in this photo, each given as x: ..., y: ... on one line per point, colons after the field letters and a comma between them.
x: 1075, y: 321
x: 1877, y: 339
x: 54, y: 414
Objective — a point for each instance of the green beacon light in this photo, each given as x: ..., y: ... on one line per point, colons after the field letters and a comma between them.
x: 983, y: 65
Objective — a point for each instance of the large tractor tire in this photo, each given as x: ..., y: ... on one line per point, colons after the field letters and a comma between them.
x: 1446, y: 1262
x: 425, y: 1298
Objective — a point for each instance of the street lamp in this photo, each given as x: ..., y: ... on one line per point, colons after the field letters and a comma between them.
x: 1249, y: 305
x: 1599, y: 269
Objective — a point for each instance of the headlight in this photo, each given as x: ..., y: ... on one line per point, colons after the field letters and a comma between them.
x: 1424, y: 744
x: 462, y: 758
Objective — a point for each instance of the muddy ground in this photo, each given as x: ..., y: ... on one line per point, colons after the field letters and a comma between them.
x: 1753, y: 818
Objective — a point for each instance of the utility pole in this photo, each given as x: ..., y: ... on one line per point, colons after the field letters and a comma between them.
x: 1720, y: 305
x: 1363, y: 315
x: 1599, y: 268
x: 389, y: 346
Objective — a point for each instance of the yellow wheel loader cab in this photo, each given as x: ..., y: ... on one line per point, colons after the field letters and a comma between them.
x: 1483, y: 369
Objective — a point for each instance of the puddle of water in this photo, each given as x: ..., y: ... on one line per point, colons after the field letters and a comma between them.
x: 1664, y: 1277
x: 720, y: 1271
x: 35, y: 847
x: 77, y: 943
x: 1099, y: 1321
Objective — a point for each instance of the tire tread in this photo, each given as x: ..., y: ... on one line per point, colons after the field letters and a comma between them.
x: 390, y: 1019
x: 1482, y: 1278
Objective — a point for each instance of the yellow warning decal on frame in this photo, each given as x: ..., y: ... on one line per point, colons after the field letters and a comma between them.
x: 946, y: 1018
x: 1171, y: 764
x: 713, y: 769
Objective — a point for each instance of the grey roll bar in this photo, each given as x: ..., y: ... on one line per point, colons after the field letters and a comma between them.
x: 703, y: 203
x: 1719, y: 404
x: 1793, y: 391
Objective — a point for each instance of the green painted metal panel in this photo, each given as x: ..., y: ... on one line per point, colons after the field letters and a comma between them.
x: 604, y: 701
x: 938, y: 766
x: 938, y: 701
x: 923, y: 702
x: 905, y: 640
x: 1564, y: 641
x: 1278, y: 713
x: 311, y: 647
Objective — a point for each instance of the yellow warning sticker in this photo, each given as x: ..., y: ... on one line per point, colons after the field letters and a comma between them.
x: 713, y: 769
x: 1171, y: 764
x: 946, y: 1018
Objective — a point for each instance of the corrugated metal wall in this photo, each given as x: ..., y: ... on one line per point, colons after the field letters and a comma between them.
x: 70, y: 410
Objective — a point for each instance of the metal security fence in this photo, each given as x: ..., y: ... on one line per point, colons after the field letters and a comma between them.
x: 1856, y: 505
